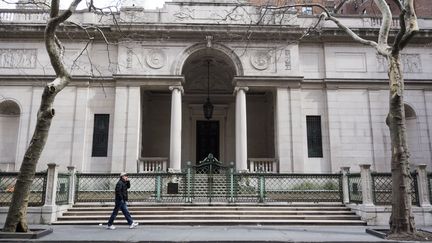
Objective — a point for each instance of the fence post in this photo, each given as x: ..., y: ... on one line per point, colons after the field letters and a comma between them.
x: 423, y: 188
x: 345, y: 185
x: 158, y: 185
x: 231, y: 182
x: 72, y: 178
x: 51, y: 190
x: 261, y: 184
x: 188, y: 181
x: 366, y: 182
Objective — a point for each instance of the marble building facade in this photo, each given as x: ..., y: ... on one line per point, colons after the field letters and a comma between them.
x: 288, y: 101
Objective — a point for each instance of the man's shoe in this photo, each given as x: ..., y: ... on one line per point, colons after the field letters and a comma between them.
x: 111, y: 227
x: 133, y: 225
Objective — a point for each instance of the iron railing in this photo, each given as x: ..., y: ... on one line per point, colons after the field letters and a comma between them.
x: 382, y: 188
x: 37, y: 190
x: 157, y: 187
x: 223, y: 185
x: 300, y: 187
x: 62, y: 193
x: 355, y: 188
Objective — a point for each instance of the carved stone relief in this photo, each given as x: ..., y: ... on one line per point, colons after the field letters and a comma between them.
x: 411, y: 63
x: 18, y: 58
x: 381, y: 63
x: 287, y: 59
x: 184, y: 13
x: 129, y: 54
x: 156, y: 58
x: 260, y: 60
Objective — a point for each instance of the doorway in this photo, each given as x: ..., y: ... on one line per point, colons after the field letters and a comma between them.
x: 207, y: 139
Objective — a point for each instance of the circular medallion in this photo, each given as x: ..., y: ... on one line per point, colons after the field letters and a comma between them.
x: 156, y: 58
x: 260, y: 60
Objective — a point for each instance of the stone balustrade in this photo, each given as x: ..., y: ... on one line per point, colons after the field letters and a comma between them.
x: 263, y: 165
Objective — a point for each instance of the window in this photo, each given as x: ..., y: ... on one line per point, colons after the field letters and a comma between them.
x: 314, y: 138
x: 100, y: 135
x: 307, y: 10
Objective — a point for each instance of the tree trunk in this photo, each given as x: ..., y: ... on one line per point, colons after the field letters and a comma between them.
x: 16, y: 219
x: 401, y: 219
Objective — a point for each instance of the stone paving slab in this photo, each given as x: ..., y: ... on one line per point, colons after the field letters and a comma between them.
x: 210, y: 234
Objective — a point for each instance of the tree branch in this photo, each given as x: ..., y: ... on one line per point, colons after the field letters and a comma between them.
x: 51, y: 42
x: 386, y: 22
x: 410, y: 21
x: 381, y: 48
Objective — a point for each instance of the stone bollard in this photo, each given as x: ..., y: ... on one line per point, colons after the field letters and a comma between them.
x: 49, y: 210
x: 51, y: 187
x: 345, y: 186
x: 72, y: 182
x: 422, y: 182
x: 366, y: 182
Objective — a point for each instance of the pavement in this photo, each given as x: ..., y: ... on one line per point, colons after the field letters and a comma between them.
x: 209, y: 234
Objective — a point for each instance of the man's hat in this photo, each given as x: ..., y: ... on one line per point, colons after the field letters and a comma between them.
x: 123, y: 174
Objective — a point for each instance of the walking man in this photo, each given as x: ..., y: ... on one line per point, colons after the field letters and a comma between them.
x: 121, y: 197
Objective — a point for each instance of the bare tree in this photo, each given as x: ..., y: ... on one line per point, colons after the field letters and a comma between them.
x: 16, y: 219
x: 402, y: 219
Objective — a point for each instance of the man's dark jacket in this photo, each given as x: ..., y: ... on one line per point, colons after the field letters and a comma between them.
x: 121, y: 193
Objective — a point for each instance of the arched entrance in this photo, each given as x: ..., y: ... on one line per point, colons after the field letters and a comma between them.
x: 208, y: 76
x: 9, y: 126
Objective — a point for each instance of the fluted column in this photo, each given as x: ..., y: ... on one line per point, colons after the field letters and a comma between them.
x: 241, y: 128
x: 176, y: 127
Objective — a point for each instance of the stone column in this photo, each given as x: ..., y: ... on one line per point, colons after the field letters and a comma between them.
x: 71, y: 196
x: 51, y: 187
x: 345, y: 185
x: 241, y: 128
x: 176, y: 128
x: 422, y: 182
x: 366, y: 183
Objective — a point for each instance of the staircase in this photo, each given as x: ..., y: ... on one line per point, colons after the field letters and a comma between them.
x: 216, y: 214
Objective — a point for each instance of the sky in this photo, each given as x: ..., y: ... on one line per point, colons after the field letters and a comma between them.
x: 148, y: 4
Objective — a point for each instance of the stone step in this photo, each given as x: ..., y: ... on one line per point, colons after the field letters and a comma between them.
x: 215, y: 217
x: 212, y: 212
x: 220, y: 222
x: 210, y: 208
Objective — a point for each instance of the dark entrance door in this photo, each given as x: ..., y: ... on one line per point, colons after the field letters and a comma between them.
x: 207, y: 139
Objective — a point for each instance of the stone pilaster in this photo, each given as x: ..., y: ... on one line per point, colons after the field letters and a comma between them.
x: 345, y: 185
x: 422, y: 182
x: 366, y: 182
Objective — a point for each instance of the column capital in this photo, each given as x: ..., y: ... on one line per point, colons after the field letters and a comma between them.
x: 238, y: 88
x: 52, y: 165
x: 421, y: 167
x: 345, y: 169
x: 179, y: 87
x: 365, y: 166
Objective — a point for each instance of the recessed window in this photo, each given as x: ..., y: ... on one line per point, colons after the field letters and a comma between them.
x: 100, y: 135
x: 314, y: 137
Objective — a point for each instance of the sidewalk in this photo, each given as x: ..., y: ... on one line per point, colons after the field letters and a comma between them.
x: 164, y: 233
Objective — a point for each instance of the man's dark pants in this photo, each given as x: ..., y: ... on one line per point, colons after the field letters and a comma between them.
x: 120, y: 204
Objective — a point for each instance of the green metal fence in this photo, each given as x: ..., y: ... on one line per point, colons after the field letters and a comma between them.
x: 355, y: 188
x: 155, y: 187
x: 222, y: 186
x: 382, y: 188
x: 62, y: 193
x: 37, y: 190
